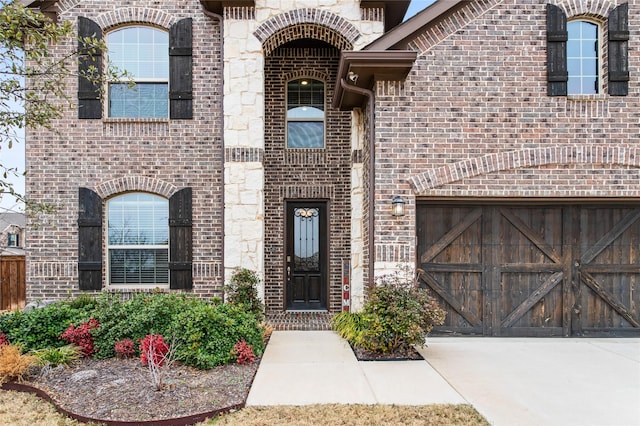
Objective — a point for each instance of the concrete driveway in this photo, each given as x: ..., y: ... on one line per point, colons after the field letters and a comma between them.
x: 519, y: 381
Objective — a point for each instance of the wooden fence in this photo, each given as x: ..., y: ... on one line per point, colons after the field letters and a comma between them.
x: 12, y: 283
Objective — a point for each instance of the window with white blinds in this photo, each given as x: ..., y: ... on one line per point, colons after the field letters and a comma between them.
x: 138, y: 239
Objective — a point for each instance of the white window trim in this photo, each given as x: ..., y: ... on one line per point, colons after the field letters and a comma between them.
x: 599, y: 55
x: 126, y: 80
x: 306, y: 120
x: 109, y: 247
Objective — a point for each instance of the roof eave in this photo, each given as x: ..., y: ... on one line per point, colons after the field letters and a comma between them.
x: 394, y: 10
x: 397, y: 38
x: 217, y: 6
x: 363, y: 68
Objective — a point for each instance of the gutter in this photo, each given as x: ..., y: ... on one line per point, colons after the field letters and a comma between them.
x: 221, y: 127
x: 372, y: 177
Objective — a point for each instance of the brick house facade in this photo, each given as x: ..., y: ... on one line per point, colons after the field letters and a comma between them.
x: 521, y: 194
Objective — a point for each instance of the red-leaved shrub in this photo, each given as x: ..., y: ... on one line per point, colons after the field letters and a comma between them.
x: 153, y: 349
x: 81, y: 336
x: 3, y: 339
x: 125, y: 348
x: 243, y: 352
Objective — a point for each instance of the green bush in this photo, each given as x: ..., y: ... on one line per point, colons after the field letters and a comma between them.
x: 41, y: 328
x: 206, y: 334
x: 350, y: 326
x: 143, y: 314
x: 242, y: 290
x: 397, y: 315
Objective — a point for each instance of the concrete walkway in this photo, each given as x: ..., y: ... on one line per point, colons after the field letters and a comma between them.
x: 510, y: 381
x: 318, y: 367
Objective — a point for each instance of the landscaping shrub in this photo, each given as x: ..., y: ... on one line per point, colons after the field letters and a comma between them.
x: 206, y: 334
x: 3, y: 339
x: 397, y: 314
x: 153, y: 349
x: 13, y: 364
x: 350, y: 326
x: 81, y: 336
x: 145, y: 313
x: 125, y: 348
x: 57, y: 356
x: 243, y: 352
x: 242, y: 289
x: 41, y: 328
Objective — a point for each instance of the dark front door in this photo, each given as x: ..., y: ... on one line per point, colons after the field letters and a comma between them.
x: 306, y: 256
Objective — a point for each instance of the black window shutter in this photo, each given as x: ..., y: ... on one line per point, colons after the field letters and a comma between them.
x: 557, y: 75
x: 89, y: 240
x: 89, y: 102
x: 180, y: 240
x: 180, y: 70
x: 619, y: 51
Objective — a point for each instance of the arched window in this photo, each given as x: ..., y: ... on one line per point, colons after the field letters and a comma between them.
x: 583, y: 58
x: 143, y: 52
x: 305, y: 113
x: 138, y: 239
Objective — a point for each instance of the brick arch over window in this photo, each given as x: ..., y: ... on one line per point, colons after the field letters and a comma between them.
x: 573, y: 154
x: 135, y: 183
x: 307, y: 23
x: 305, y: 74
x: 135, y: 15
x: 594, y: 9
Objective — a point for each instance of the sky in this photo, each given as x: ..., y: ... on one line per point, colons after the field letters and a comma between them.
x: 416, y: 6
x: 14, y: 157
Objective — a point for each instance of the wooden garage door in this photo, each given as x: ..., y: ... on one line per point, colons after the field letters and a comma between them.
x: 532, y: 270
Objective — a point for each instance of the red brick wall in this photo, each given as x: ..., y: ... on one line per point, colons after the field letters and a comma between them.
x: 111, y: 156
x: 323, y: 174
x: 473, y: 119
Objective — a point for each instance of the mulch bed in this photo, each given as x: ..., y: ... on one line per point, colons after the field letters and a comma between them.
x: 118, y: 391
x: 403, y: 354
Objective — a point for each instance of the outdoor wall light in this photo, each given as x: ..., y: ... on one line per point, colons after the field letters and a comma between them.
x: 397, y: 206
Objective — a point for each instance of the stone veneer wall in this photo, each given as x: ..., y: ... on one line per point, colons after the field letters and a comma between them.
x: 114, y: 155
x: 481, y: 126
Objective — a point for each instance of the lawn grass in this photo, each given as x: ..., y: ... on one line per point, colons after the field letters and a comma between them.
x: 353, y: 415
x: 23, y: 409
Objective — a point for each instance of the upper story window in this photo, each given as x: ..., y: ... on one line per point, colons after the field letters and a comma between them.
x: 138, y: 239
x: 144, y: 53
x: 305, y: 113
x: 574, y: 59
x: 13, y: 240
x: 583, y: 54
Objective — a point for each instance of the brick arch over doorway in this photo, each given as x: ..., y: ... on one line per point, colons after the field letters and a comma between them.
x: 499, y: 161
x: 307, y: 23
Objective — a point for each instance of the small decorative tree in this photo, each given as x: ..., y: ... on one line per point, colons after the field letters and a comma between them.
x: 242, y: 289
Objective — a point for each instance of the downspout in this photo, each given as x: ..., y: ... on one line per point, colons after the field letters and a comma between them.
x: 372, y: 177
x: 221, y: 127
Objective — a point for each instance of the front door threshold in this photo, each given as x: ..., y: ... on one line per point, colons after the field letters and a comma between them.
x: 299, y: 320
